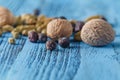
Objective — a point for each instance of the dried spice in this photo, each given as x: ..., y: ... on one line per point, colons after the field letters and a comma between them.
x: 36, y: 12
x: 97, y: 32
x: 95, y: 17
x: 11, y: 40
x: 7, y: 28
x: 50, y: 45
x: 15, y: 34
x: 64, y: 42
x: 6, y: 17
x: 33, y: 36
x: 77, y: 36
x: 59, y: 28
x: 78, y: 26
x: 42, y: 37
x: 28, y: 19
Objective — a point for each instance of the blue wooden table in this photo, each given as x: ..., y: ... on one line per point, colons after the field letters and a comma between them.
x: 30, y: 61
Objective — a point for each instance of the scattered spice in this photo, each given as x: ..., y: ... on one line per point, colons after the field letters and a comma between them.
x: 15, y: 34
x: 77, y: 36
x: 33, y: 36
x: 61, y: 17
x: 42, y: 37
x: 36, y: 12
x: 64, y: 42
x: 11, y: 40
x: 97, y: 32
x: 50, y: 45
x: 95, y: 17
x: 7, y: 28
x: 6, y: 17
x: 94, y: 31
x: 78, y: 26
x: 59, y: 28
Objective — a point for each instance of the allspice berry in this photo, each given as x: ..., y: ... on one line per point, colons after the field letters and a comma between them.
x: 33, y: 36
x: 97, y: 32
x: 6, y: 17
x: 59, y: 28
x: 51, y: 45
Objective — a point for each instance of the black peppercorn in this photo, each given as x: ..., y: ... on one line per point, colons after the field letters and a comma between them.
x: 36, y: 12
x: 50, y: 45
x: 33, y: 36
x: 61, y: 17
x: 78, y: 26
x: 42, y: 38
x: 73, y: 25
x: 64, y: 42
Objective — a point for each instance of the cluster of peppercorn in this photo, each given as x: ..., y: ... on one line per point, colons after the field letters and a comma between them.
x: 50, y: 44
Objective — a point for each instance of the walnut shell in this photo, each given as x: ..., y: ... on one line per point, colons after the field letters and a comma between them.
x: 58, y: 28
x: 97, y: 32
x: 6, y: 17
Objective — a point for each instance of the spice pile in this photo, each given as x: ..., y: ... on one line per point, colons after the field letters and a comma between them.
x: 95, y: 30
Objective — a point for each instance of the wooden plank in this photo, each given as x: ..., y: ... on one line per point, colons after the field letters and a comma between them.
x: 99, y: 63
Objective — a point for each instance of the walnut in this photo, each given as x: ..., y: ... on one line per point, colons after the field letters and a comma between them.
x: 59, y: 28
x: 97, y: 32
x: 6, y: 17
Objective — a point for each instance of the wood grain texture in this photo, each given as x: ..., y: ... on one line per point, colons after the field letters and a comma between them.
x: 31, y: 61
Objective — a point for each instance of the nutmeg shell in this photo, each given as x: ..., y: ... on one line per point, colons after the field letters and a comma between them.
x: 6, y: 17
x: 59, y: 28
x: 97, y: 32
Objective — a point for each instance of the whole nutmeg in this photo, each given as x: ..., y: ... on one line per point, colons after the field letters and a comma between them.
x: 97, y: 32
x: 59, y: 28
x: 6, y: 17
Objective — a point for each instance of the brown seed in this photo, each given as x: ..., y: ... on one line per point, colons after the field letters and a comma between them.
x: 6, y: 17
x: 78, y: 26
x: 7, y: 28
x: 97, y: 32
x: 25, y: 32
x: 44, y: 31
x: 18, y: 21
x: 28, y: 27
x: 39, y: 29
x: 11, y: 40
x: 59, y: 28
x: 15, y: 34
x: 77, y: 36
x: 41, y: 18
x: 29, y: 19
x: 95, y: 17
x: 1, y: 32
x: 19, y: 28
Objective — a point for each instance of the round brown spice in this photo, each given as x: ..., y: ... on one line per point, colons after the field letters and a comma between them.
x: 97, y: 32
x: 59, y: 28
x: 6, y: 17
